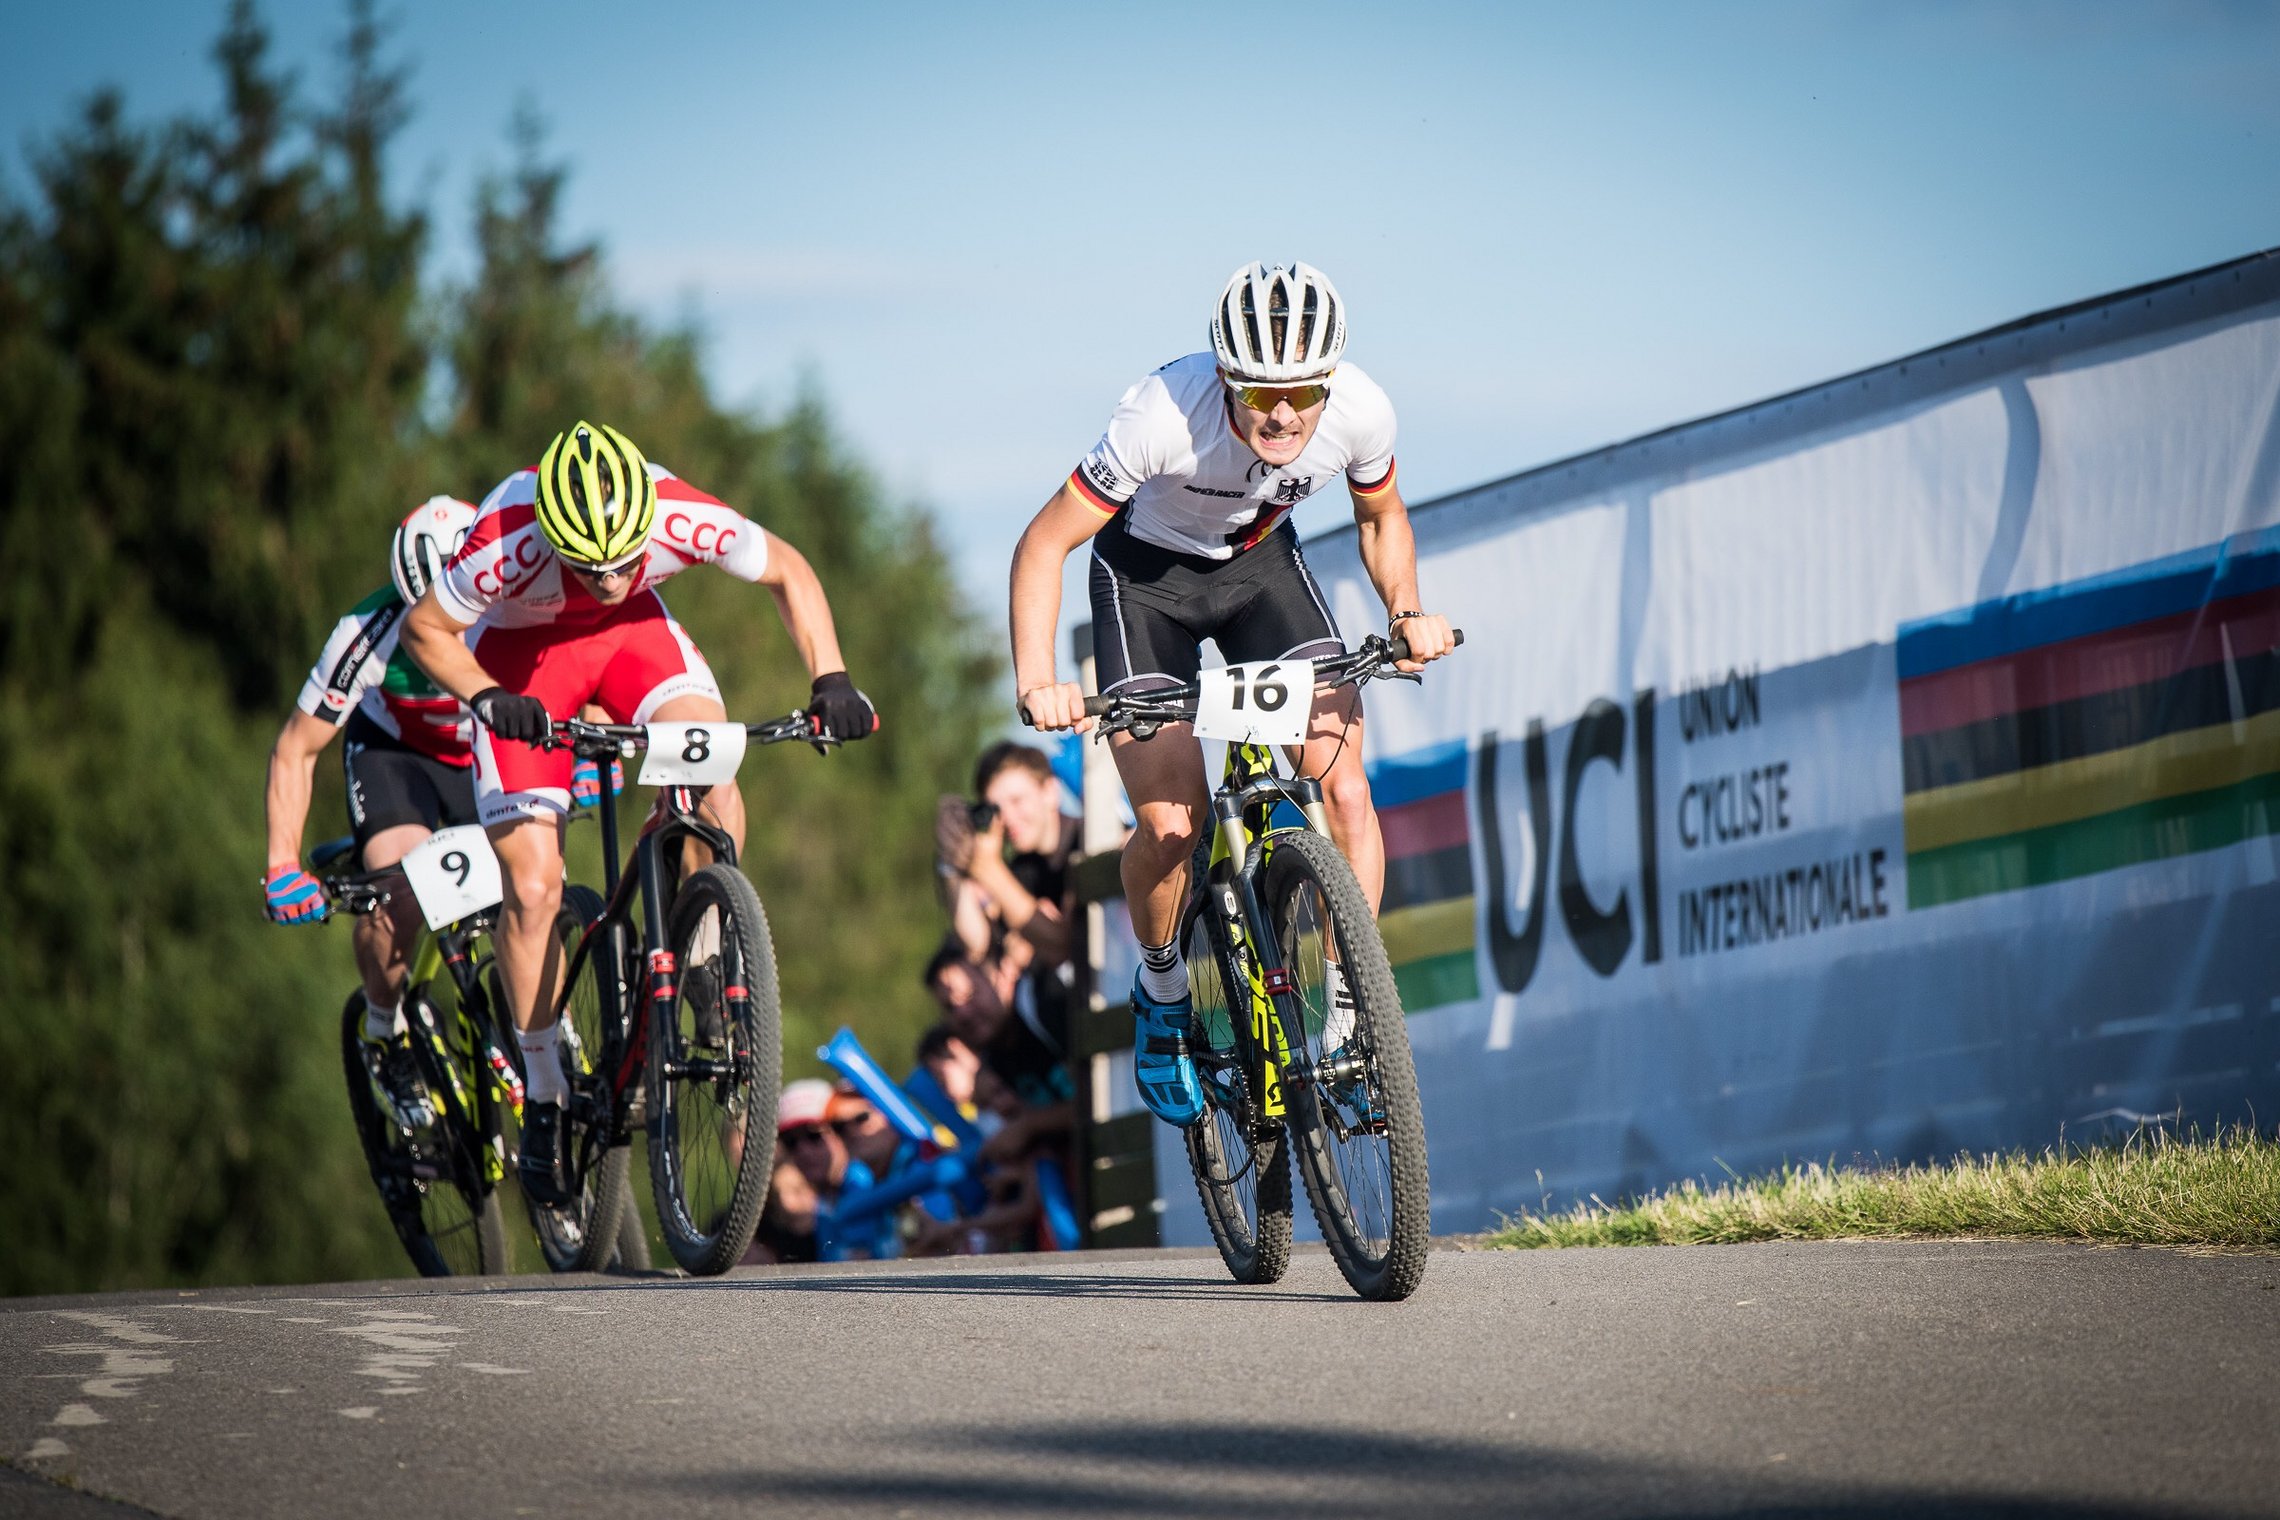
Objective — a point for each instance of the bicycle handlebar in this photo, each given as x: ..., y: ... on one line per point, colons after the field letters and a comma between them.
x: 1363, y: 664
x: 596, y: 741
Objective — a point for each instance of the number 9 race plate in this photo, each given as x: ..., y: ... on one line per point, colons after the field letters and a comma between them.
x: 1265, y: 702
x: 692, y: 754
x: 453, y: 873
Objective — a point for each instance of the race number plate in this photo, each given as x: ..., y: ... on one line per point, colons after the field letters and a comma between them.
x: 692, y: 754
x: 453, y: 873
x: 1266, y: 702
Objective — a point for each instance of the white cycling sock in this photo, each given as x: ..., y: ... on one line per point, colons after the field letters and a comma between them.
x: 1163, y: 975
x: 543, y: 1067
x: 383, y: 1023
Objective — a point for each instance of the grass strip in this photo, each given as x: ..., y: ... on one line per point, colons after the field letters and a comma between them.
x: 2156, y: 1189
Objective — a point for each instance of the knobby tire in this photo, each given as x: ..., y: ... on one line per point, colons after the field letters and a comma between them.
x: 712, y: 1139
x: 583, y: 1236
x: 451, y: 1223
x: 1369, y: 1191
x: 1242, y: 1180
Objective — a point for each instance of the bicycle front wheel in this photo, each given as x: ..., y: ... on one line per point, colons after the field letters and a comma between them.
x: 714, y: 1065
x: 1238, y: 1155
x: 1355, y: 1119
x: 442, y: 1207
x: 582, y: 1236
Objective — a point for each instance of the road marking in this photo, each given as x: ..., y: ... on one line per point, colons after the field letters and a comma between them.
x: 406, y: 1345
x: 44, y: 1447
x: 77, y: 1414
x: 364, y: 1413
x: 119, y: 1327
x: 490, y: 1371
x: 303, y: 1319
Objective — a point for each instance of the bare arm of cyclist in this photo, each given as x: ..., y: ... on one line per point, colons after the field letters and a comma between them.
x: 805, y: 611
x: 432, y: 637
x: 292, y: 766
x: 1064, y: 522
x: 1389, y: 555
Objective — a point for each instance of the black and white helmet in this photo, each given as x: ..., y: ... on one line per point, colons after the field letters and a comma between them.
x: 424, y: 540
x: 1278, y: 325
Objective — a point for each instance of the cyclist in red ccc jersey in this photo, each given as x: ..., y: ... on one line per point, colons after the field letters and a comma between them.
x: 557, y: 580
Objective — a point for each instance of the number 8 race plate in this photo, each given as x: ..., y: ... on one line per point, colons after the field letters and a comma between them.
x: 692, y: 754
x: 453, y: 873
x: 1265, y: 702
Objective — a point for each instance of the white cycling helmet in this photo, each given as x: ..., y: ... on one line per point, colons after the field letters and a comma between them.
x: 1278, y: 325
x: 424, y: 540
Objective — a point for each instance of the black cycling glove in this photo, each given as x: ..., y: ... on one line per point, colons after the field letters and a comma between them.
x: 838, y: 710
x: 510, y: 715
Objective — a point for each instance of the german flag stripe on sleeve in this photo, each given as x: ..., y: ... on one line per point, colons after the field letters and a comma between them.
x: 1379, y: 489
x: 1092, y: 496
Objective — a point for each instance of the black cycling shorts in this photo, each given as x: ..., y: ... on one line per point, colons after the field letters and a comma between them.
x: 390, y: 783
x: 1152, y: 607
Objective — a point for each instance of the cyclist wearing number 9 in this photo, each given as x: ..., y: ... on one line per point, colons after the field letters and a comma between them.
x: 408, y: 764
x: 558, y: 582
x: 1186, y: 501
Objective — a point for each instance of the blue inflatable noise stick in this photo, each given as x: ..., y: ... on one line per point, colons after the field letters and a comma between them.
x: 846, y: 1055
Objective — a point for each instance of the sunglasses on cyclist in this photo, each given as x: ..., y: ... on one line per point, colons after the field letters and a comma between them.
x: 1264, y: 398
x: 623, y: 567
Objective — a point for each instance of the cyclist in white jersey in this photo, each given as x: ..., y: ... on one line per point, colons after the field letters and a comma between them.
x: 406, y: 759
x: 1186, y: 501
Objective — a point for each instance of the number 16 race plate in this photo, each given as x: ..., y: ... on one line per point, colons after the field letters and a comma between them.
x: 453, y: 873
x: 1265, y: 702
x: 692, y: 754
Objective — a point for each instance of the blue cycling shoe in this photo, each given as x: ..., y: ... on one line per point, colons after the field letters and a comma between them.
x: 1162, y: 1065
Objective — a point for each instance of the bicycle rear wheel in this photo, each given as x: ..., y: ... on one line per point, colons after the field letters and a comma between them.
x: 713, y: 1069
x: 583, y: 1236
x: 430, y: 1180
x: 1358, y: 1126
x: 1240, y: 1161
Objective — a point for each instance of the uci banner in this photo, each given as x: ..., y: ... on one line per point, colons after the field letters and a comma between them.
x: 1883, y: 770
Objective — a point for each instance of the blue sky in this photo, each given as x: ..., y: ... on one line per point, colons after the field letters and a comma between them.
x: 1556, y: 226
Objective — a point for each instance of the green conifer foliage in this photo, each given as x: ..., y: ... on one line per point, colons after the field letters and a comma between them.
x: 216, y: 352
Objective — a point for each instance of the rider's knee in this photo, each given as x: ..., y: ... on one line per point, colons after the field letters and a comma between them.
x: 530, y: 864
x: 1170, y: 826
x: 1346, y: 793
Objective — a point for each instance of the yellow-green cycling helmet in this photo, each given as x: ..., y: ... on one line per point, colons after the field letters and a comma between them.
x: 595, y: 498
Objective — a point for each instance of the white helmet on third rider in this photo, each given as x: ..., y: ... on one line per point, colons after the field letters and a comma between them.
x: 1278, y: 325
x: 424, y: 540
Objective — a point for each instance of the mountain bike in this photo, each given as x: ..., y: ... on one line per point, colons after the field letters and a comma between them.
x: 440, y: 1181
x: 669, y: 1009
x: 1274, y: 924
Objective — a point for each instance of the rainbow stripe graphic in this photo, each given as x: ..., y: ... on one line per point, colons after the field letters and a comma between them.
x: 2131, y: 717
x: 1427, y: 916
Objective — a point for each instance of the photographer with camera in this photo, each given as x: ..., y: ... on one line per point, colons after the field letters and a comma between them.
x: 1007, y: 857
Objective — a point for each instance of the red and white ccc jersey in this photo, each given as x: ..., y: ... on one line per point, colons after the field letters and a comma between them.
x: 506, y: 575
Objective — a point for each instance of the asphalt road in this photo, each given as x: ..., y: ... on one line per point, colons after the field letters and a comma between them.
x: 1842, y: 1379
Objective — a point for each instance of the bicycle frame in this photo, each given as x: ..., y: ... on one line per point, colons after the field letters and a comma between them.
x: 1242, y: 843
x: 625, y: 1032
x: 436, y: 953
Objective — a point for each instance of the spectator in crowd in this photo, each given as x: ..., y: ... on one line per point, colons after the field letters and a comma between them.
x: 1022, y: 1041
x: 865, y: 1132
x: 1008, y: 857
x: 954, y: 1067
x: 823, y: 1174
x: 787, y: 1219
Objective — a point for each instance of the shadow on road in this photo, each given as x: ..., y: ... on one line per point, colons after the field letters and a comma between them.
x: 1205, y: 1471
x: 1038, y: 1285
